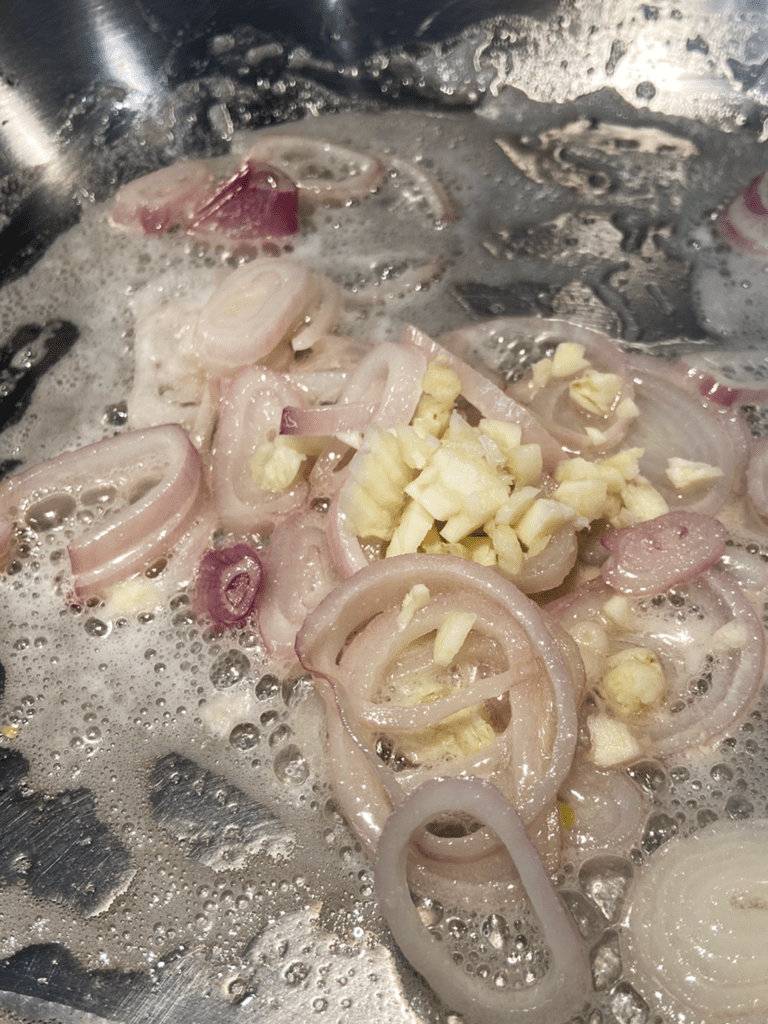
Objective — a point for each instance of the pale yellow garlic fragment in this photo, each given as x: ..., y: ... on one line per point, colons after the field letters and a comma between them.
x: 685, y: 475
x: 415, y: 522
x: 542, y: 521
x: 634, y: 681
x: 611, y: 742
x: 643, y: 501
x: 618, y: 611
x: 275, y: 464
x: 453, y: 631
x: 568, y: 358
x: 417, y: 597
x: 596, y: 392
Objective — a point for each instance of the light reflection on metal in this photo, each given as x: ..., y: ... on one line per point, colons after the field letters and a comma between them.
x: 120, y: 51
x: 25, y: 134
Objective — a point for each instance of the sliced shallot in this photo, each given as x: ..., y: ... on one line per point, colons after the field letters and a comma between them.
x: 258, y: 305
x: 163, y: 199
x: 161, y: 461
x: 227, y: 585
x: 324, y: 170
x: 697, y: 926
x: 567, y: 983
x: 757, y: 477
x: 258, y: 201
x: 671, y: 549
x: 249, y: 419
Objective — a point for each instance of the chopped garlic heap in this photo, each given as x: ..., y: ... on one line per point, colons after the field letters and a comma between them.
x: 440, y: 485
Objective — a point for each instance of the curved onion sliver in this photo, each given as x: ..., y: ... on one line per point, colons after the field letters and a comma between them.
x: 488, y: 398
x: 697, y: 925
x: 248, y: 315
x: 567, y: 982
x: 163, y: 199
x: 427, y: 186
x: 298, y: 573
x: 744, y: 222
x: 249, y: 417
x: 704, y: 373
x: 324, y: 170
x: 672, y: 422
x: 610, y: 809
x: 136, y: 536
x: 321, y: 312
x: 663, y: 552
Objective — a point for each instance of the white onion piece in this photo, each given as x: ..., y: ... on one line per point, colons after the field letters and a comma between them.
x: 329, y: 420
x: 163, y: 199
x: 744, y: 222
x: 567, y: 982
x: 134, y: 537
x: 458, y: 874
x: 610, y: 809
x: 298, y: 573
x: 321, y: 312
x: 325, y: 171
x: 697, y: 928
x: 684, y: 640
x: 169, y: 383
x: 656, y: 555
x: 249, y: 417
x: 346, y: 550
x: 487, y: 398
x: 258, y: 305
x: 672, y: 422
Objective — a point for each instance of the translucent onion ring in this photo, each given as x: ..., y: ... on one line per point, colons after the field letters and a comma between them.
x: 567, y: 982
x: 698, y: 925
x: 249, y: 417
x: 382, y: 585
x: 345, y: 173
x: 250, y: 313
x: 133, y: 538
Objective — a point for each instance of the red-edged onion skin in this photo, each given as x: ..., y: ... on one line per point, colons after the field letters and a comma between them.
x: 249, y: 415
x: 757, y: 477
x: 324, y: 171
x: 656, y: 555
x: 228, y: 583
x: 164, y: 199
x: 696, y: 930
x: 744, y: 222
x: 567, y: 983
x: 488, y: 398
x: 708, y: 380
x: 133, y: 538
x: 258, y: 201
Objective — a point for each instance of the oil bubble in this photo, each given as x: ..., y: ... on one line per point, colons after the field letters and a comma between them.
x: 289, y: 766
x: 229, y: 669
